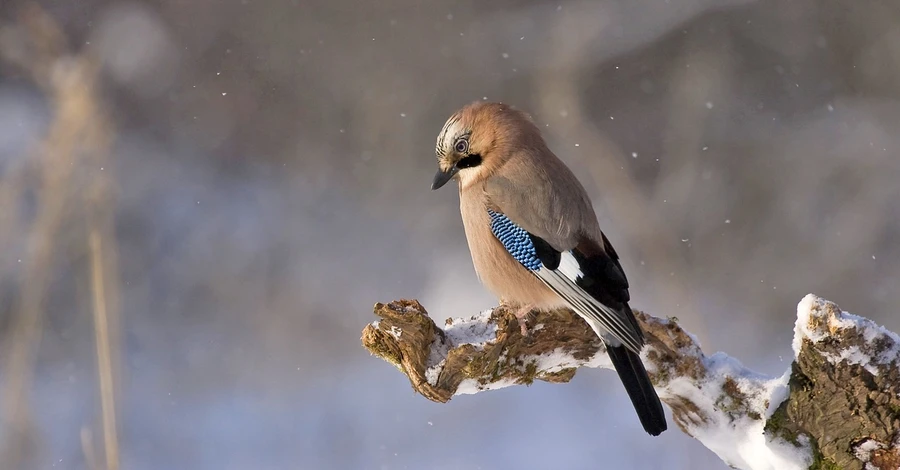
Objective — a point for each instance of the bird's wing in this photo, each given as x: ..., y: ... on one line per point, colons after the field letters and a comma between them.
x: 544, y: 198
x: 588, y: 277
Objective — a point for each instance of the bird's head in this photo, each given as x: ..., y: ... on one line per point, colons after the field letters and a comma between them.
x: 478, y: 139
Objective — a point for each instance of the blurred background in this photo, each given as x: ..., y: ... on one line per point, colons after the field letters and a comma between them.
x: 201, y: 201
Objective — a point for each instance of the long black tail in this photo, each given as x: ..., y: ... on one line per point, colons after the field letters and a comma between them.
x: 640, y: 390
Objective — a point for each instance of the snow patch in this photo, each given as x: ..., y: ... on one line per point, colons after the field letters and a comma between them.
x: 737, y: 438
x: 802, y: 331
x: 396, y: 331
x: 552, y: 362
x: 853, y: 355
x: 471, y: 386
x: 477, y: 331
x: 864, y: 452
x: 649, y: 366
x: 434, y: 371
x: 815, y: 323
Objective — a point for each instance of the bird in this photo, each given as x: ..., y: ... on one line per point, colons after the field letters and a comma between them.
x: 534, y: 237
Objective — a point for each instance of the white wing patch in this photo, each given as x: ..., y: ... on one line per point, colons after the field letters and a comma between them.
x: 568, y: 265
x: 614, y: 327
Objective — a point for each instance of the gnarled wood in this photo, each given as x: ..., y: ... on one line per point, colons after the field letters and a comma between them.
x: 838, y: 414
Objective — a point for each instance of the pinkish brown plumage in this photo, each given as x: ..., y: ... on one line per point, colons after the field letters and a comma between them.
x: 534, y: 237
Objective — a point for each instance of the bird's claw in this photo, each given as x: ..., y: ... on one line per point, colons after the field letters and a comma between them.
x: 523, y: 315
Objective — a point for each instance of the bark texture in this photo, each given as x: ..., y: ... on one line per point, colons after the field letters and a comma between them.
x: 844, y: 410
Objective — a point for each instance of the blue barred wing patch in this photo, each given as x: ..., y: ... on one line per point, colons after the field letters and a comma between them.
x: 516, y: 241
x: 567, y: 279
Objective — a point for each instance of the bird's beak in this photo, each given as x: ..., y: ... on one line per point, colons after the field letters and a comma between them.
x: 442, y: 177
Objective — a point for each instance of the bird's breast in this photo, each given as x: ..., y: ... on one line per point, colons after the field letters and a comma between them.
x: 496, y: 268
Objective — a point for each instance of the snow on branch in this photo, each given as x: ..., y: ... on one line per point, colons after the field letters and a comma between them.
x: 838, y: 406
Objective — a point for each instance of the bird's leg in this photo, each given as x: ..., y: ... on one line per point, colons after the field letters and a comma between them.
x: 523, y: 315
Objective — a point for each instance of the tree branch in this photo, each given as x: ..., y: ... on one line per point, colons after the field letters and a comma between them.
x: 837, y: 407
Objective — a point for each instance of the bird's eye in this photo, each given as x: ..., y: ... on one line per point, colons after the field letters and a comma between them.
x: 461, y: 146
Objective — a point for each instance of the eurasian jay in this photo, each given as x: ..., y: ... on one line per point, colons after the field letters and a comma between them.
x: 534, y: 237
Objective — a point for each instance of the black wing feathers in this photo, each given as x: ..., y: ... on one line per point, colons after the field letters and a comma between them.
x: 602, y: 278
x: 546, y: 253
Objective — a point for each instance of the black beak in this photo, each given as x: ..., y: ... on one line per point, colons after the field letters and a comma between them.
x: 442, y: 177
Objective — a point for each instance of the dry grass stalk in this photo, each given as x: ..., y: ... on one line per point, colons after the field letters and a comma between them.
x: 79, y: 136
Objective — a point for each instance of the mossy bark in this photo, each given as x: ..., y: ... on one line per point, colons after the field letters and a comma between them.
x: 833, y: 405
x: 840, y: 405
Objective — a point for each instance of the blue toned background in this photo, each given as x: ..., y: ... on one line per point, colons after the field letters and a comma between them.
x: 272, y: 163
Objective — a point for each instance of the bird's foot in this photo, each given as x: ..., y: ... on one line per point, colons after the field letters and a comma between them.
x: 523, y: 315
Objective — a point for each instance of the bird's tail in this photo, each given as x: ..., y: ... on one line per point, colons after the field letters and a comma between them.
x: 640, y: 390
